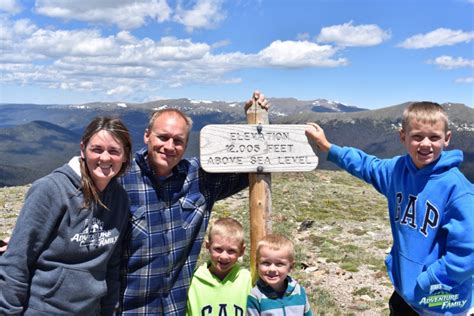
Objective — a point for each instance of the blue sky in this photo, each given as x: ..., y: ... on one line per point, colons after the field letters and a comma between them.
x: 371, y: 53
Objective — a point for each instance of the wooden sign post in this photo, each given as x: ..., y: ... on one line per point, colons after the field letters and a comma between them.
x: 259, y: 149
x: 260, y: 196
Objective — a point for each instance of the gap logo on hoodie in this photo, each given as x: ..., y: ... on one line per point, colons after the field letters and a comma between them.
x: 94, y: 234
x: 408, y: 217
x: 234, y: 310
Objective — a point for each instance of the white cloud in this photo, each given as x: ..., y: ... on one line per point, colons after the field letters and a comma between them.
x: 121, y: 64
x: 5, y: 31
x: 172, y: 48
x: 125, y: 37
x: 75, y: 43
x: 300, y: 54
x: 129, y: 15
x: 448, y: 62
x: 222, y: 43
x: 120, y: 90
x: 303, y: 36
x: 14, y: 58
x: 123, y: 13
x: 438, y: 37
x: 205, y: 14
x: 154, y: 98
x: 347, y: 35
x: 12, y: 36
x: 22, y: 73
x: 86, y: 85
x: 465, y: 80
x: 24, y: 27
x: 10, y: 6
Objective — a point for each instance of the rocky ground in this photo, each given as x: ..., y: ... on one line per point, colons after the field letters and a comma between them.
x: 11, y: 200
x: 339, y: 227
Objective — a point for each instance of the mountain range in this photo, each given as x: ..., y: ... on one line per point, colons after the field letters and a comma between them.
x: 35, y: 139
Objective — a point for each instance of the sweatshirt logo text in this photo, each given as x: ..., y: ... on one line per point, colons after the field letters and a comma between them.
x: 94, y: 234
x: 235, y: 311
x: 408, y: 216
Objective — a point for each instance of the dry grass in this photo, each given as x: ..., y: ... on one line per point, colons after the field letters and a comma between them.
x: 11, y: 200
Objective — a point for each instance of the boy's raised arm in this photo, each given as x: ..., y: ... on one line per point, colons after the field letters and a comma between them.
x: 316, y: 134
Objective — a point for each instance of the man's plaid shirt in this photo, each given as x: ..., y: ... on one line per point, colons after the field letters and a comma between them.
x: 168, y: 222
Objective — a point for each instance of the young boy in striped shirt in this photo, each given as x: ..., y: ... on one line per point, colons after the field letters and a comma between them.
x: 276, y: 293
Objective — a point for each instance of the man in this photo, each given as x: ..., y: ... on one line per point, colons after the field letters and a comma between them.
x: 171, y: 201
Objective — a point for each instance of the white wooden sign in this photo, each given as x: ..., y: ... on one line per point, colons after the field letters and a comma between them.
x: 256, y: 148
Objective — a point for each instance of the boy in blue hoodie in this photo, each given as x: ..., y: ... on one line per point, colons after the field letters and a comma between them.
x: 431, y: 208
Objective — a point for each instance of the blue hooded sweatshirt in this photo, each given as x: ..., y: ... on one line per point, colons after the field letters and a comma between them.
x: 431, y: 263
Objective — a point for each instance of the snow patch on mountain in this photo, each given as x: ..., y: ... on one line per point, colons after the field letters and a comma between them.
x: 200, y: 101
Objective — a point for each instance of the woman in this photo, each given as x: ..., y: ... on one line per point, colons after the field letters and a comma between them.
x: 64, y: 253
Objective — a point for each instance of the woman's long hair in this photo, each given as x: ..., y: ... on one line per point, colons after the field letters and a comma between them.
x: 120, y: 132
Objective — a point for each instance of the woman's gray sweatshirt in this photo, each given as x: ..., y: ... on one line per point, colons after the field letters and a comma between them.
x: 62, y: 258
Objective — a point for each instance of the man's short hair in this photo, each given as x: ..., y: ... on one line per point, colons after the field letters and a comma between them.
x: 158, y: 113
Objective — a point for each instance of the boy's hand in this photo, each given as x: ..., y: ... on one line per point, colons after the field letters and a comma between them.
x: 316, y: 133
x: 4, y: 245
x: 258, y: 98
